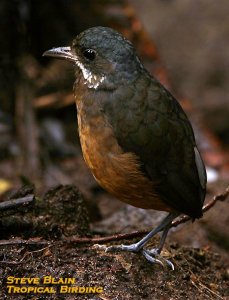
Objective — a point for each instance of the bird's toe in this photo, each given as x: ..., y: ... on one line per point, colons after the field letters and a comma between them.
x: 153, y: 256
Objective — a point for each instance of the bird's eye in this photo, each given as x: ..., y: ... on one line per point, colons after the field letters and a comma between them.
x: 89, y: 54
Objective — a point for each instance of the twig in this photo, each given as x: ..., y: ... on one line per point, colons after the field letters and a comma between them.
x: 122, y: 236
x: 113, y: 237
x: 14, y: 203
x: 31, y: 242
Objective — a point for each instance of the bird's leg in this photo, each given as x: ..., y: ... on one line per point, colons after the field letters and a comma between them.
x: 139, y: 245
x: 150, y: 254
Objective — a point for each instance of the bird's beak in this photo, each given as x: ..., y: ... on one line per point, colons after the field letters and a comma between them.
x: 61, y: 53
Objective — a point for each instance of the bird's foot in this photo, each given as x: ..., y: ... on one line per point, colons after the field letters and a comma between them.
x: 152, y: 255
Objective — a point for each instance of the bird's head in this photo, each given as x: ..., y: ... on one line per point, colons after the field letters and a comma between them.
x: 102, y: 57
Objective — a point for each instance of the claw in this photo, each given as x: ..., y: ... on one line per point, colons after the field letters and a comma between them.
x: 151, y: 254
x: 170, y: 264
x: 151, y: 259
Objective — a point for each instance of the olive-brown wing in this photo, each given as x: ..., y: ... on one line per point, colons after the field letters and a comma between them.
x: 152, y: 124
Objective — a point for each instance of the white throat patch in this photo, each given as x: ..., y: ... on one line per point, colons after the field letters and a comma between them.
x: 91, y: 80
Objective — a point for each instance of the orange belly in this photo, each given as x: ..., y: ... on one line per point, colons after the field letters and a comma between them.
x: 117, y: 172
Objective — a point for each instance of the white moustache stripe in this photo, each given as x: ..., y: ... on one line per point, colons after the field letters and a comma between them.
x: 91, y: 80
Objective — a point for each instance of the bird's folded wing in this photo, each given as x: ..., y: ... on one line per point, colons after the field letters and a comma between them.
x: 155, y: 128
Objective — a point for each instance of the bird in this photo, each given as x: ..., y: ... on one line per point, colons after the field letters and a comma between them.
x: 135, y: 137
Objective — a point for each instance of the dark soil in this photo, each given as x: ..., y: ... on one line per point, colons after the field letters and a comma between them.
x: 198, y: 274
x: 50, y: 227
